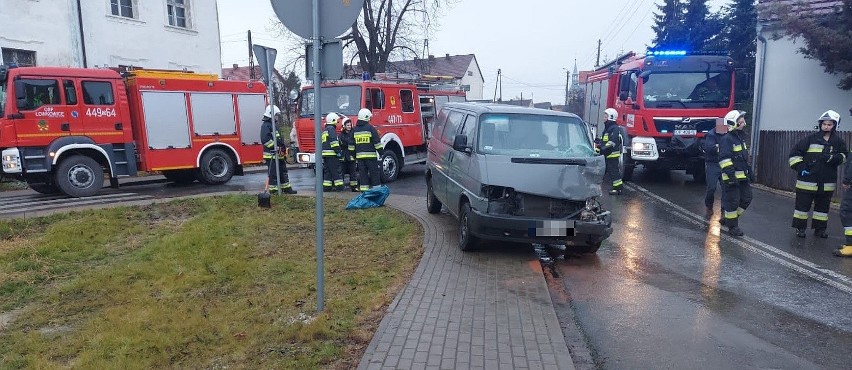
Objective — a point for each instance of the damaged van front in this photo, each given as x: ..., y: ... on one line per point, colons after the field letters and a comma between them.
x: 519, y: 175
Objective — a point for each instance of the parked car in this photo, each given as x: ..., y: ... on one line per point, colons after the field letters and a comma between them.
x: 517, y: 174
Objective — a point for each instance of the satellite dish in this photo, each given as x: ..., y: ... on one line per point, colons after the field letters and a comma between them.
x: 297, y: 16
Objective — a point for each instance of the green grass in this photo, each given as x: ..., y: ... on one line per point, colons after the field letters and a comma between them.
x: 203, y: 283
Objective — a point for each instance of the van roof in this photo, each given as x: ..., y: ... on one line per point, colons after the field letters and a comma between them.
x: 505, y: 108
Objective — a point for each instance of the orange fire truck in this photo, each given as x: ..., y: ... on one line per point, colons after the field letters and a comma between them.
x: 666, y: 100
x: 62, y: 129
x: 402, y: 114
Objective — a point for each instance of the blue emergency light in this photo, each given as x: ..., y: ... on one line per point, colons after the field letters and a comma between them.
x: 666, y: 52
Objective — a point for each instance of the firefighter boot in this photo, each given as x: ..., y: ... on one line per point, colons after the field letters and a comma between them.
x: 735, y: 231
x: 289, y: 190
x: 844, y: 251
x: 800, y: 233
x: 820, y: 233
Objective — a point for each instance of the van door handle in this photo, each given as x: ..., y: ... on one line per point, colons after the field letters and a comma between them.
x: 451, y: 155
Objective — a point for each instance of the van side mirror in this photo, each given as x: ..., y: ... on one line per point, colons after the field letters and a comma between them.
x: 460, y: 144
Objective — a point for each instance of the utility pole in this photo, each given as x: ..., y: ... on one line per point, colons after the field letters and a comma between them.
x: 598, y: 59
x: 498, y: 83
x: 567, y: 85
x: 251, y: 58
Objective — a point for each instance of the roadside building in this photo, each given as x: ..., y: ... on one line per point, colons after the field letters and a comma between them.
x: 458, y: 70
x: 791, y: 91
x: 158, y: 34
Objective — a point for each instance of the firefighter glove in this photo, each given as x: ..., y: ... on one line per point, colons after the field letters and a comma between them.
x: 805, y: 173
x: 834, y: 159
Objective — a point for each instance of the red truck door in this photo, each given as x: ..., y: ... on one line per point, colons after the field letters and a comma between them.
x: 101, y: 116
x: 45, y: 114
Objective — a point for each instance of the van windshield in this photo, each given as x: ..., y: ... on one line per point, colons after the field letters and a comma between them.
x: 338, y: 99
x: 533, y: 135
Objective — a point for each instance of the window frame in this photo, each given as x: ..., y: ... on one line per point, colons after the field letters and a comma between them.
x: 111, y: 91
x: 403, y: 101
x: 57, y: 93
x: 115, y: 9
x: 171, y: 14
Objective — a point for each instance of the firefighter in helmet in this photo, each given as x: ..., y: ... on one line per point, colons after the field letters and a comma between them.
x: 815, y: 160
x: 367, y: 145
x: 736, y: 175
x: 347, y: 148
x: 332, y: 180
x: 271, y: 139
x: 611, y: 144
x: 846, y: 212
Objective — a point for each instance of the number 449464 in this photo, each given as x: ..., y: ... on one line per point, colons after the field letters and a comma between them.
x: 100, y: 112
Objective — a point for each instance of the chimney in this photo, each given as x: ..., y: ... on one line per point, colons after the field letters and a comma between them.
x: 448, y: 56
x: 236, y: 66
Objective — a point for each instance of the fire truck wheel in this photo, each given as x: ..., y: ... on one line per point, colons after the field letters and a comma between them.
x: 41, y: 184
x: 390, y: 166
x: 217, y: 167
x: 180, y: 176
x: 79, y: 176
x: 628, y: 165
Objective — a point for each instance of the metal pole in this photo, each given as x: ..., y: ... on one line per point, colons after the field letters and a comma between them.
x: 270, y: 92
x: 318, y: 155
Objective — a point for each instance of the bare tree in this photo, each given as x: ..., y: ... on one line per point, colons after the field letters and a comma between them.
x: 386, y: 29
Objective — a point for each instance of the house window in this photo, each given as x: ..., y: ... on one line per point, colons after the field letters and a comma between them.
x: 178, y: 13
x: 19, y: 57
x: 122, y: 8
x: 470, y: 73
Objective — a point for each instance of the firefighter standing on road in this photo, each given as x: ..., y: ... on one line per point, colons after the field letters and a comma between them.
x: 712, y: 171
x: 332, y: 180
x: 733, y: 161
x: 815, y: 160
x: 611, y: 144
x: 367, y: 145
x: 347, y: 146
x: 846, y: 212
x: 269, y: 136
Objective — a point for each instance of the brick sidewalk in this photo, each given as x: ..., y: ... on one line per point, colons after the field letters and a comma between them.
x: 487, y: 309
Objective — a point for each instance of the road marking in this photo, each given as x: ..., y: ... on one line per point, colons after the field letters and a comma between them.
x: 797, y: 264
x: 13, y: 205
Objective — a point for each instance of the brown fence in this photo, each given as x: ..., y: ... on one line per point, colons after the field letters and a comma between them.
x: 772, y: 163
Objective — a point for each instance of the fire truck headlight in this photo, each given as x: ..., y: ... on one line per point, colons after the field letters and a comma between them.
x: 639, y: 147
x: 304, y: 158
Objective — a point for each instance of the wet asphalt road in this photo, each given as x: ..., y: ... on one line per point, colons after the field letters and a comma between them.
x: 665, y: 290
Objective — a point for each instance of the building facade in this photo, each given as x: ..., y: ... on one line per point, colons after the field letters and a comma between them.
x: 154, y: 34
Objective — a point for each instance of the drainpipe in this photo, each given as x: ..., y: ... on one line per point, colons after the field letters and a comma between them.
x: 82, y: 34
x: 758, y: 99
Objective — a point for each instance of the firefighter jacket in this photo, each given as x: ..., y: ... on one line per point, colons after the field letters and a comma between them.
x: 266, y: 137
x: 611, y: 141
x: 347, y: 145
x: 815, y: 161
x: 330, y: 144
x: 733, y: 158
x: 367, y: 142
x: 710, y: 146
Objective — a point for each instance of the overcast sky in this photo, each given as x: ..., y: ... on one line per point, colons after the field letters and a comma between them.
x: 532, y: 43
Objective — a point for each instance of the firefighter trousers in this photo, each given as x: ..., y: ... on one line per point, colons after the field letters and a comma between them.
x: 331, y: 176
x: 713, y: 177
x: 821, y: 201
x: 282, y: 168
x: 735, y: 200
x: 846, y: 216
x: 368, y: 173
x: 349, y: 168
x: 614, y: 173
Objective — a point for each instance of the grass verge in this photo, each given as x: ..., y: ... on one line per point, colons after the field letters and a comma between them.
x: 200, y: 283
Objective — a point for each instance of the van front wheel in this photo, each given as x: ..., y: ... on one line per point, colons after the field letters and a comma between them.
x: 467, y: 241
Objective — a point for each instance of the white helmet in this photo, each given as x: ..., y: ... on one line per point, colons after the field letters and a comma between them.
x: 331, y: 119
x: 732, y: 117
x: 270, y: 110
x: 830, y: 115
x: 364, y: 114
x: 611, y: 114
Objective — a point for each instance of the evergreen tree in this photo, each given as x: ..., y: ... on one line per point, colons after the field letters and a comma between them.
x: 702, y: 29
x: 828, y: 37
x: 668, y: 25
x: 740, y: 32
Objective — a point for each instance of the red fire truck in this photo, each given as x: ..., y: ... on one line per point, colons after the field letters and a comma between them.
x: 402, y: 114
x: 667, y: 100
x: 61, y: 129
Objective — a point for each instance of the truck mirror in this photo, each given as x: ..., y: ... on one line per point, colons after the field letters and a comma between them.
x: 294, y: 94
x: 20, y: 94
x: 622, y: 96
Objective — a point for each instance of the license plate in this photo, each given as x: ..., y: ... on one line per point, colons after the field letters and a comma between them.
x: 551, y: 228
x: 684, y: 132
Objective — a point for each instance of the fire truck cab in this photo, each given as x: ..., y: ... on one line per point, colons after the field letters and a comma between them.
x: 666, y: 100
x: 62, y: 129
x: 402, y: 114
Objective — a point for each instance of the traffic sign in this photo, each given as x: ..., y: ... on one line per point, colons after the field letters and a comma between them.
x: 337, y: 16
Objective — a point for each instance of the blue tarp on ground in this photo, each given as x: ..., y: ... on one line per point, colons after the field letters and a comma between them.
x: 375, y: 197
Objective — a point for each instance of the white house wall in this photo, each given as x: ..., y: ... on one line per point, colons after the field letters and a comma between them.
x: 474, y: 79
x: 797, y: 90
x: 43, y: 27
x: 146, y: 40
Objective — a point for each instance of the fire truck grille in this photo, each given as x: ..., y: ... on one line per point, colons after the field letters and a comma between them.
x: 306, y: 139
x: 669, y: 125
